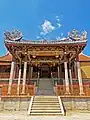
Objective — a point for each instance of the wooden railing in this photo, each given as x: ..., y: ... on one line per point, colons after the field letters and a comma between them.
x: 74, y: 90
x: 29, y: 90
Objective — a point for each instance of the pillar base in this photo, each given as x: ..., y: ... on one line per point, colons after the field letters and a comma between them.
x: 67, y: 93
x: 18, y: 93
x: 8, y: 93
x: 82, y: 93
x: 23, y: 93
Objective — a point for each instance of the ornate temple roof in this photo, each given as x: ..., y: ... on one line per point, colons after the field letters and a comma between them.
x: 74, y: 37
x: 29, y: 49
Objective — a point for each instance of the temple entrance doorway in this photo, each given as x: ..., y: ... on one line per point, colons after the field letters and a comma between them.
x: 45, y: 71
x: 45, y: 85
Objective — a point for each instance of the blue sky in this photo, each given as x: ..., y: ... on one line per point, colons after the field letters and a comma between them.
x: 29, y: 15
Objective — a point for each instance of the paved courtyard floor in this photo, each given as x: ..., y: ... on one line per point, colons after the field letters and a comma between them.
x: 22, y: 115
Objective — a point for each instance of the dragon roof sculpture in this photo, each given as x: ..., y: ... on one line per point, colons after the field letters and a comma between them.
x: 73, y: 37
x: 14, y: 35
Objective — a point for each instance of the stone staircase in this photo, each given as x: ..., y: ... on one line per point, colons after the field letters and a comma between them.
x: 46, y: 105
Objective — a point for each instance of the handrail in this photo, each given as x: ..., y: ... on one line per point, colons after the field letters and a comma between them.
x: 52, y: 78
x: 61, y: 105
x: 30, y: 105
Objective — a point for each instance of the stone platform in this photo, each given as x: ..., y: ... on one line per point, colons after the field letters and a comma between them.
x: 22, y: 103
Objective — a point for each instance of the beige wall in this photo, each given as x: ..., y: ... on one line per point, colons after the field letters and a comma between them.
x: 85, y: 69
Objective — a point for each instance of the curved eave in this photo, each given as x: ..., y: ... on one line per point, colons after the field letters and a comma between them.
x: 45, y: 43
x: 84, y: 58
x: 6, y: 58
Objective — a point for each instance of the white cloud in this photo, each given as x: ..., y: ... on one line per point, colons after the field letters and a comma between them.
x: 61, y: 34
x: 57, y: 16
x: 57, y: 19
x: 63, y: 38
x: 38, y: 37
x: 59, y: 25
x: 58, y: 38
x: 42, y: 33
x: 47, y: 27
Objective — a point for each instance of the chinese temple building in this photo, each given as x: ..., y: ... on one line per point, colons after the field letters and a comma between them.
x: 53, y: 67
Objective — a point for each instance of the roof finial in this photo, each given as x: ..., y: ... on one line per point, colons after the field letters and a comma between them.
x: 14, y: 35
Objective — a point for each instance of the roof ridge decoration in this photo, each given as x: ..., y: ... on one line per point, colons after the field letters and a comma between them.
x: 14, y: 35
x: 73, y: 36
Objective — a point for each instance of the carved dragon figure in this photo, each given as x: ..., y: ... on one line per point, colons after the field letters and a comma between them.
x: 14, y: 35
x: 74, y: 35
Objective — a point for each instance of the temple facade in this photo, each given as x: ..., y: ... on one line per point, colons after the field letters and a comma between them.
x: 45, y: 62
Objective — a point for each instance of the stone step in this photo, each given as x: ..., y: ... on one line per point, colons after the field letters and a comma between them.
x: 46, y: 96
x: 53, y: 114
x: 46, y: 103
x: 47, y: 100
x: 45, y: 111
x: 46, y: 108
x: 41, y: 105
x: 39, y: 101
x: 54, y: 102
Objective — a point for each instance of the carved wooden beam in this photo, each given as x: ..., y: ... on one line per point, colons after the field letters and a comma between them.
x: 17, y: 55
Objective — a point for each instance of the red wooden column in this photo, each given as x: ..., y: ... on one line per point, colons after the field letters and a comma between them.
x: 75, y: 69
x: 24, y: 77
x: 58, y: 72
x: 70, y: 72
x: 19, y: 79
x: 70, y: 77
x: 79, y: 76
x: 66, y: 75
x: 11, y: 76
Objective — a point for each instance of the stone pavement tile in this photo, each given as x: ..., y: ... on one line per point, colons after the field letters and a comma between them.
x: 53, y: 118
x: 21, y: 115
x: 35, y: 118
